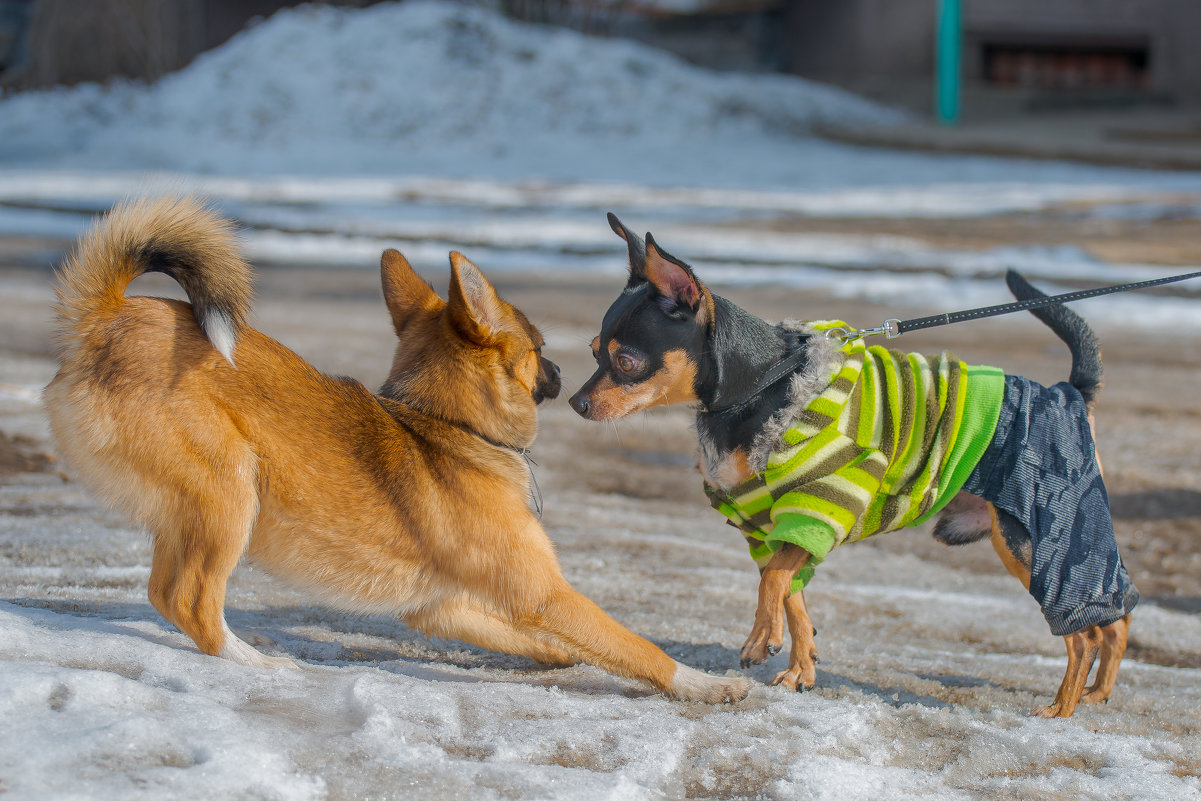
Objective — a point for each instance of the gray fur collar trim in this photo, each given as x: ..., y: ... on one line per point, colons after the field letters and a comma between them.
x: 825, y: 356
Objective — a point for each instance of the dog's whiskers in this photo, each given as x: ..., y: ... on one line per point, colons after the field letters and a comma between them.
x: 616, y: 433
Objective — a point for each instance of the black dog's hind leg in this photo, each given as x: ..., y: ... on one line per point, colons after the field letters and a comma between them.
x: 1013, y: 544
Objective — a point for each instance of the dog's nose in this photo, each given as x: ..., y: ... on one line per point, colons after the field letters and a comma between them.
x: 579, y: 402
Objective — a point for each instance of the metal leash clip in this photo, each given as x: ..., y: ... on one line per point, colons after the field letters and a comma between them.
x: 891, y: 329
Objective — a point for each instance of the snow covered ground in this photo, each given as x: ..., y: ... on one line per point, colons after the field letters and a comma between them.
x: 927, y: 678
x: 331, y: 134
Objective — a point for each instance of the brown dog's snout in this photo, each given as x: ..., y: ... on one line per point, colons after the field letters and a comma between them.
x: 549, y: 381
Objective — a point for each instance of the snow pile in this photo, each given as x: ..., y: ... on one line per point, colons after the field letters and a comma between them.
x: 416, y: 87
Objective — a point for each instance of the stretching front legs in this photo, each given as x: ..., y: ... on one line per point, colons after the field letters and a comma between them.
x: 775, y: 605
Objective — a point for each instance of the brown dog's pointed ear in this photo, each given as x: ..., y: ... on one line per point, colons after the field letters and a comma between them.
x: 636, y: 248
x: 672, y: 278
x: 405, y: 292
x: 474, y: 307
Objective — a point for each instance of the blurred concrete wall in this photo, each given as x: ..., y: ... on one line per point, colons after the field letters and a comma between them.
x: 1094, y: 48
x: 63, y: 42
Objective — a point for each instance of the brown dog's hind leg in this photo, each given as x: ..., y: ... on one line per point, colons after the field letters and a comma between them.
x: 775, y: 583
x: 195, y: 551
x: 1012, y: 543
x: 801, y: 673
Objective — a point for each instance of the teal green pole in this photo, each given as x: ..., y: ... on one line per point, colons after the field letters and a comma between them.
x: 950, y: 22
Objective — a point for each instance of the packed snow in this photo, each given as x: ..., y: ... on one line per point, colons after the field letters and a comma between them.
x: 332, y: 133
x: 102, y: 700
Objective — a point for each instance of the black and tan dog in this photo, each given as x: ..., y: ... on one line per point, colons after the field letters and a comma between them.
x: 222, y: 442
x: 845, y: 442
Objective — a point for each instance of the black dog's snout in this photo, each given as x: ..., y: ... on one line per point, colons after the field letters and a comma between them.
x: 579, y: 402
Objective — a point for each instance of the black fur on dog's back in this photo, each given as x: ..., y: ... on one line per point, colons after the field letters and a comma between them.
x: 1086, y: 374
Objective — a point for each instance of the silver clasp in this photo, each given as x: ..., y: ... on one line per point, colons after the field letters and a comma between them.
x: 891, y: 329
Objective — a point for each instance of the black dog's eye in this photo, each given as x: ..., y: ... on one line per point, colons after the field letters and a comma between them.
x: 627, y: 363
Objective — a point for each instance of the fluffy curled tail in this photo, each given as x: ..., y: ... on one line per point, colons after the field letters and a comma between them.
x: 180, y: 237
x: 1073, y: 330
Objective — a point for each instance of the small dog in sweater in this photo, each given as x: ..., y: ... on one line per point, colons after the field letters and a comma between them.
x: 847, y: 441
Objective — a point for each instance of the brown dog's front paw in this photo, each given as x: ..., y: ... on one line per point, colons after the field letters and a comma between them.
x: 692, y: 685
x: 766, y: 637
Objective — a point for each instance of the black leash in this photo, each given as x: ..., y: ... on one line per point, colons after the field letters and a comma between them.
x: 892, y: 329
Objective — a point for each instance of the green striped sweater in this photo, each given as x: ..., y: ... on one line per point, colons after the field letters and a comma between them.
x: 885, y: 444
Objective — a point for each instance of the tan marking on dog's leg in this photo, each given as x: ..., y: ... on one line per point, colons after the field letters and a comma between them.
x: 1082, y: 646
x: 467, y: 620
x: 1015, y: 568
x: 1113, y: 648
x: 801, y: 673
x: 585, y: 629
x: 1082, y: 652
x: 767, y: 632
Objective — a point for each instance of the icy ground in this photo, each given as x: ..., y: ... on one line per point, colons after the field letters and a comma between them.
x: 331, y: 134
x: 927, y: 678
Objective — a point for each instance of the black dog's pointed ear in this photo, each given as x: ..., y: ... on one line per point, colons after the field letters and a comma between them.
x: 672, y: 278
x: 636, y: 248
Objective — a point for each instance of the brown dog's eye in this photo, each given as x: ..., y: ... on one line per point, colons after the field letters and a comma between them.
x: 627, y: 364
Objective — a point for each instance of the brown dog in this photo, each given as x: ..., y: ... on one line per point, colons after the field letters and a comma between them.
x: 222, y: 442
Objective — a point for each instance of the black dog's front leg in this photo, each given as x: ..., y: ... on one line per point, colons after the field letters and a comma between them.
x: 775, y: 582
